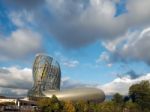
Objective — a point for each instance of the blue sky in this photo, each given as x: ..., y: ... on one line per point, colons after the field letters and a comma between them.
x: 96, y: 42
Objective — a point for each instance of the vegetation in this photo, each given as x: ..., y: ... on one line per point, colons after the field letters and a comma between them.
x: 140, y: 94
x: 138, y: 100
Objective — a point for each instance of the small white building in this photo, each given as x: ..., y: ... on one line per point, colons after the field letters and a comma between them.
x: 18, y: 101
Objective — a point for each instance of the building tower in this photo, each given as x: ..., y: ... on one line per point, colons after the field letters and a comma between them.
x: 46, y: 75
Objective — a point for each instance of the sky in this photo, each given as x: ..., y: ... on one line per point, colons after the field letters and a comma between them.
x: 98, y: 43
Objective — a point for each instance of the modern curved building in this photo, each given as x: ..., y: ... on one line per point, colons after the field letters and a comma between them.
x: 47, y: 77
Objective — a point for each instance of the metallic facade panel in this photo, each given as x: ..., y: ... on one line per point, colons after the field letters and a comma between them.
x: 46, y: 75
x: 85, y: 94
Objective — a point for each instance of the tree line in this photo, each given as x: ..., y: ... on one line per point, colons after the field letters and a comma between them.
x: 137, y: 100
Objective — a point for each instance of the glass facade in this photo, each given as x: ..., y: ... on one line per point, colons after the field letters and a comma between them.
x: 46, y: 75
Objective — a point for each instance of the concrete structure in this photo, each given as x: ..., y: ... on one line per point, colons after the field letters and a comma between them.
x: 47, y: 75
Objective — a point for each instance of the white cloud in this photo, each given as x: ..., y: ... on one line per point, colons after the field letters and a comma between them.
x: 78, y: 23
x: 14, y: 77
x: 121, y: 85
x: 71, y: 63
x: 15, y: 81
x: 65, y: 61
x: 19, y: 44
x: 138, y: 12
x: 133, y: 45
x: 11, y: 92
x: 21, y: 18
x: 103, y: 57
x: 109, y: 64
x: 138, y: 47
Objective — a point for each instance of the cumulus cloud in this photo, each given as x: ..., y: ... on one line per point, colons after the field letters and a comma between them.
x: 78, y: 23
x: 22, y: 18
x: 121, y: 85
x: 19, y: 44
x: 139, y: 47
x: 133, y: 45
x: 137, y: 15
x: 15, y: 81
x: 11, y: 92
x: 14, y: 77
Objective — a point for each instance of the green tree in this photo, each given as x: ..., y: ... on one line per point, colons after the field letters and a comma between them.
x: 81, y: 106
x: 117, y: 98
x: 140, y: 94
x: 69, y: 106
x: 50, y: 104
x: 132, y: 107
x: 118, y: 101
x: 109, y: 106
x: 44, y: 104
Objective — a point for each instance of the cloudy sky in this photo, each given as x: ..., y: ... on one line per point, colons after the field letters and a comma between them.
x: 98, y: 43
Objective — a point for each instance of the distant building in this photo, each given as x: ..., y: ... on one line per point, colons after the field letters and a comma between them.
x: 17, y: 105
x: 17, y: 101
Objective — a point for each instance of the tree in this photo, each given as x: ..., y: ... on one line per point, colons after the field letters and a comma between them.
x: 56, y: 104
x: 81, y: 106
x: 131, y: 107
x: 140, y: 94
x: 50, y: 104
x: 126, y: 99
x: 44, y: 104
x: 109, y: 106
x: 69, y: 107
x: 117, y: 98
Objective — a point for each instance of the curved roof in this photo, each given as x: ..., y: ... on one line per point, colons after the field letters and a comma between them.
x: 85, y: 93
